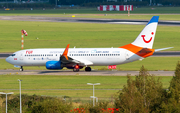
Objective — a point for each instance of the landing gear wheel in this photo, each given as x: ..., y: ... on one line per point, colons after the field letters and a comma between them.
x: 21, y: 69
x: 75, y: 70
x: 88, y: 69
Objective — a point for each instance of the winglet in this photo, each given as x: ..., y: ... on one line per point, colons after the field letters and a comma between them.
x: 66, y: 52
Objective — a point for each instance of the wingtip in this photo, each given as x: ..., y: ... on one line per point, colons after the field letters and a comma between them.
x: 68, y: 46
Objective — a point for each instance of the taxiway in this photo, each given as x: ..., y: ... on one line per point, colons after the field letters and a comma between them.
x: 83, y: 73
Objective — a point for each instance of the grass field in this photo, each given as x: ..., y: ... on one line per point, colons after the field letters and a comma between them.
x: 38, y: 85
x: 81, y: 35
x: 172, y: 17
x: 151, y: 63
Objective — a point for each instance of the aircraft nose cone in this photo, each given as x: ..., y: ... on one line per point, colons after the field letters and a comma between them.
x: 8, y: 59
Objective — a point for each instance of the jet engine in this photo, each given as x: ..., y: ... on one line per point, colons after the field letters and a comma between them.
x: 54, y: 65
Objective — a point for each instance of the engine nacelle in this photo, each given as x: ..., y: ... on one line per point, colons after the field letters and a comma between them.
x: 53, y: 65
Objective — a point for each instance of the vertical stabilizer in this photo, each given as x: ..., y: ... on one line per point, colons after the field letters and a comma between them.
x: 147, y: 35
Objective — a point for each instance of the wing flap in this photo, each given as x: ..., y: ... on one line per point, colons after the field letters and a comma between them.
x: 83, y: 62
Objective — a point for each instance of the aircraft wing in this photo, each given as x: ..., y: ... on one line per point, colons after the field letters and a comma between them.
x: 68, y: 60
x: 82, y: 62
x: 156, y: 50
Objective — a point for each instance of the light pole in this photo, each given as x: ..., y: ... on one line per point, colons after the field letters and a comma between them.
x: 6, y: 98
x: 20, y: 94
x: 93, y: 89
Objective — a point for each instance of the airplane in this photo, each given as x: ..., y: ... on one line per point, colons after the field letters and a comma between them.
x: 77, y: 58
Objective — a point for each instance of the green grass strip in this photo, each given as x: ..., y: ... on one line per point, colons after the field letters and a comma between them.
x: 67, y: 82
x: 80, y: 35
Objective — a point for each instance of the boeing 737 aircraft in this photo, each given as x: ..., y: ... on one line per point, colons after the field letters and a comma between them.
x: 77, y: 58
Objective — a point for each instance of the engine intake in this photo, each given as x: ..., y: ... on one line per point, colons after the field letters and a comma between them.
x: 53, y: 65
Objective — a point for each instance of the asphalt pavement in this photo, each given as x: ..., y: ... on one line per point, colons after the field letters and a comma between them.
x: 85, y: 20
x: 82, y: 73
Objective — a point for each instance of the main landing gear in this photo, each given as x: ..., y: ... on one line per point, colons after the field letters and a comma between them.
x: 88, y: 69
x: 21, y: 69
x: 76, y: 68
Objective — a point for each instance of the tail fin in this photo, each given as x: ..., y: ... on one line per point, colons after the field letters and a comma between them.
x: 147, y: 35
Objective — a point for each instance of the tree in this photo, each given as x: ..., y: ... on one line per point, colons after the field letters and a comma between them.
x: 172, y: 100
x: 144, y: 94
x: 175, y: 84
x: 129, y: 99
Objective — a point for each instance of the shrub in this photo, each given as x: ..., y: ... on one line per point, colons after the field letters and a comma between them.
x: 39, y: 104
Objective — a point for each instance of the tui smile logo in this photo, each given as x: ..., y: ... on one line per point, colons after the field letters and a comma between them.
x: 147, y: 41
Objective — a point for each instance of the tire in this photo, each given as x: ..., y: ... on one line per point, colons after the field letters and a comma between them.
x: 88, y: 69
x: 21, y: 69
x: 75, y: 70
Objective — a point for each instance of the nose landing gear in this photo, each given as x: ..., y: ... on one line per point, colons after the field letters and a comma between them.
x: 21, y: 69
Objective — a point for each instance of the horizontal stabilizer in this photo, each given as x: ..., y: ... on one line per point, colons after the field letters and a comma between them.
x: 156, y: 50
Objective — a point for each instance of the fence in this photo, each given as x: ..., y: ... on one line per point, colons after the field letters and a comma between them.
x: 115, y: 8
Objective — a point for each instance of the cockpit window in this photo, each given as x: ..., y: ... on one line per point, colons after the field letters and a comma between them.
x: 13, y: 54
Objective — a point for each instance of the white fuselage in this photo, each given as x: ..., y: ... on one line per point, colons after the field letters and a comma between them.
x: 96, y: 56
